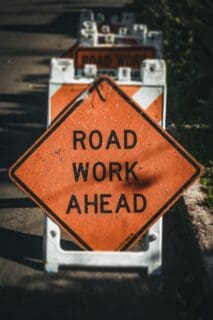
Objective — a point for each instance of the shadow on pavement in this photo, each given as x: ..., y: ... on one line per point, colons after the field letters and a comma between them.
x: 65, y: 23
x: 20, y: 128
x: 60, y: 25
x: 25, y: 248
x: 17, y: 203
x: 21, y: 247
x: 96, y: 297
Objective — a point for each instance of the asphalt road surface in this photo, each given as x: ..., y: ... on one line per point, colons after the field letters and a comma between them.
x: 30, y: 33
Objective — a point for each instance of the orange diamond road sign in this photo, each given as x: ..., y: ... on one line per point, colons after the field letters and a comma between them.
x: 104, y: 171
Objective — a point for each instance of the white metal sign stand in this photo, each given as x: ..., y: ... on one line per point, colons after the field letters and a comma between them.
x: 153, y: 75
x: 95, y: 32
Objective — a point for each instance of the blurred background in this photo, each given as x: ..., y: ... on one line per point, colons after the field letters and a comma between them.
x: 33, y: 31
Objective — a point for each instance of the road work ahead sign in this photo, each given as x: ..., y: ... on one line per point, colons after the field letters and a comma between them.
x: 104, y: 171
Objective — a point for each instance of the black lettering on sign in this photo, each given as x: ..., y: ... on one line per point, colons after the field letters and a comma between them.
x: 105, y: 204
x: 122, y: 203
x: 113, y: 139
x: 73, y: 204
x: 79, y: 136
x: 130, y: 171
x: 80, y: 169
x: 136, y: 62
x: 130, y: 139
x: 95, y: 139
x: 116, y: 171
x: 92, y: 203
x: 92, y: 60
x: 101, y: 61
x: 139, y: 202
x: 120, y: 60
x: 99, y: 171
x: 85, y: 59
x: 130, y: 61
x: 104, y: 61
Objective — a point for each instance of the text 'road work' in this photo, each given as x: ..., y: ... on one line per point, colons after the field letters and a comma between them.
x: 100, y: 171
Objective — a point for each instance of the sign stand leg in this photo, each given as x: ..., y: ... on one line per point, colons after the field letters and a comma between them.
x: 155, y: 249
x: 51, y: 245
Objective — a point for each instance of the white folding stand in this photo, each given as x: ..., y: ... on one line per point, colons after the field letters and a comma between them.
x: 153, y: 74
x: 94, y: 31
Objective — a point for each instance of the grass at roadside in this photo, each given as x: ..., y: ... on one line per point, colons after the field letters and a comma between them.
x: 188, y: 50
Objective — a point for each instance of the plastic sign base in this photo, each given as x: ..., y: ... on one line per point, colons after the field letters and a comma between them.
x: 55, y: 256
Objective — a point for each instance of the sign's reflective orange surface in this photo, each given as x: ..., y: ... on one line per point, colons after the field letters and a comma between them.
x: 104, y: 171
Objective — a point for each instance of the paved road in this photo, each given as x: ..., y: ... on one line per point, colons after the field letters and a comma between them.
x: 30, y: 33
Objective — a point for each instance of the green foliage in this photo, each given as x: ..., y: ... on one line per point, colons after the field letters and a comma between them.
x: 188, y: 50
x: 207, y: 184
